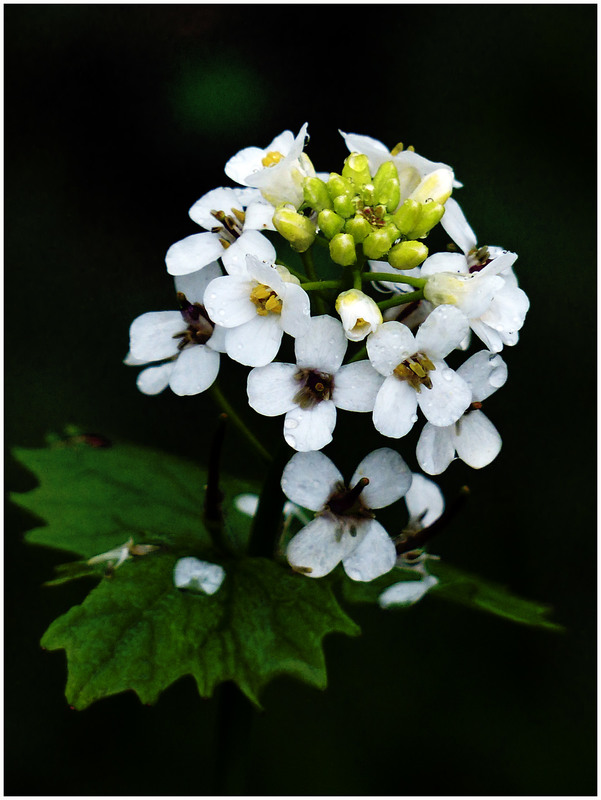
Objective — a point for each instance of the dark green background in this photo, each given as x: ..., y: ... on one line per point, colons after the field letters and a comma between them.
x: 117, y: 119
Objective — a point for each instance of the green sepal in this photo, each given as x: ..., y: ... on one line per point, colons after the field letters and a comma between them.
x: 342, y: 250
x: 358, y: 227
x: 316, y: 194
x: 330, y: 222
x: 378, y: 243
x: 387, y: 190
x: 338, y: 186
x: 356, y: 169
x: 407, y: 255
x: 407, y: 215
x: 430, y: 215
x: 344, y: 205
x: 299, y: 230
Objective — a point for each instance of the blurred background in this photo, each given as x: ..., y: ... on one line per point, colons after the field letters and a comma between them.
x: 117, y: 118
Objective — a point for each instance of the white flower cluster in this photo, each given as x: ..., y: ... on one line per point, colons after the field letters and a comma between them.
x: 236, y: 298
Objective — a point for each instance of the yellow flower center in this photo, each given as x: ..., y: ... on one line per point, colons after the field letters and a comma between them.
x: 266, y: 300
x: 272, y: 158
x: 415, y: 371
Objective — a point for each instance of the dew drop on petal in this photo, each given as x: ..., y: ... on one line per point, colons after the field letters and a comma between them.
x: 414, y: 418
x: 212, y: 296
x: 447, y: 374
x: 291, y: 424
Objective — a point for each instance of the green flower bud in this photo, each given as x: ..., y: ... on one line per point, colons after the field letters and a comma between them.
x: 337, y: 186
x: 358, y: 227
x: 299, y: 230
x: 379, y: 242
x: 356, y: 169
x: 407, y: 255
x: 386, y: 186
x: 430, y: 215
x: 342, y: 250
x: 367, y: 194
x: 316, y: 194
x: 406, y: 217
x: 330, y: 222
x: 344, y: 205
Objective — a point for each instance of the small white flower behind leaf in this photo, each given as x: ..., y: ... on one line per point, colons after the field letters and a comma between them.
x: 198, y: 576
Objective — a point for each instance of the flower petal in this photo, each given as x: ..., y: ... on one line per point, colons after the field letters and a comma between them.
x: 259, y: 216
x: 317, y: 548
x: 256, y: 343
x: 271, y: 388
x: 392, y: 343
x: 194, y: 284
x: 193, y: 253
x: 222, y: 199
x: 484, y: 372
x: 227, y: 300
x: 201, y: 576
x: 309, y: 479
x: 356, y: 386
x: 457, y: 227
x: 250, y: 243
x: 442, y: 332
x: 240, y: 166
x: 406, y: 593
x: 444, y: 262
x: 195, y: 370
x: 425, y: 501
x: 477, y: 441
x: 151, y: 335
x: 395, y: 407
x: 448, y: 398
x: 153, y: 380
x: 296, y: 310
x: 322, y: 346
x: 375, y: 554
x: 310, y: 428
x: 389, y: 477
x: 435, y: 448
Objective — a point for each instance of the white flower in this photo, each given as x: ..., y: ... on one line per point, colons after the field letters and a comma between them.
x: 406, y: 593
x: 310, y: 391
x: 482, y: 280
x: 186, y: 340
x: 416, y: 373
x: 257, y: 307
x: 359, y: 313
x: 199, y: 576
x: 277, y: 170
x: 344, y: 529
x: 473, y: 437
x: 232, y: 233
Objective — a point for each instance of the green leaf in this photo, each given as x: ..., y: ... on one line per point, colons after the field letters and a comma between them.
x: 137, y: 631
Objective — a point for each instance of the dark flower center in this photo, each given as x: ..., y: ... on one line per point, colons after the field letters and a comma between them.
x: 315, y: 386
x: 200, y: 328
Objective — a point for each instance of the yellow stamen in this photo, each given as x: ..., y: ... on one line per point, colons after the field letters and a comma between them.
x: 272, y: 158
x: 398, y: 148
x: 240, y: 215
x: 266, y: 300
x: 224, y: 243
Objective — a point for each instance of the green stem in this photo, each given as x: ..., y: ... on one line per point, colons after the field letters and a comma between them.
x: 322, y: 241
x: 386, y: 276
x: 225, y: 404
x: 357, y: 283
x: 315, y: 286
x: 399, y: 300
x: 309, y: 264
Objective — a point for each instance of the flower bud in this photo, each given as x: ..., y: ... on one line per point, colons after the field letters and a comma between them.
x: 407, y: 255
x: 344, y: 205
x: 379, y: 242
x: 430, y: 215
x: 330, y: 222
x: 316, y: 194
x: 359, y: 313
x: 436, y: 186
x: 356, y: 169
x: 358, y: 227
x: 342, y: 250
x: 299, y: 230
x: 387, y: 189
x: 445, y: 288
x: 337, y: 185
x: 406, y: 217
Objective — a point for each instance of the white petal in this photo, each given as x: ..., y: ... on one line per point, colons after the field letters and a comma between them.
x: 477, y: 441
x: 356, y: 386
x: 217, y: 340
x: 153, y: 380
x: 296, y: 310
x: 256, y: 343
x: 375, y: 555
x: 195, y: 370
x: 444, y: 262
x: 435, y: 448
x: 247, y: 503
x: 389, y: 477
x: 194, y: 284
x: 240, y: 166
x: 193, y: 253
x: 392, y: 343
x: 507, y: 312
x: 407, y: 592
x: 259, y: 216
x: 376, y: 152
x: 322, y: 346
x: 457, y: 227
x: 484, y: 372
x: 442, y: 332
x: 200, y: 576
x: 425, y: 501
x: 448, y: 398
x: 315, y: 550
x: 487, y: 335
x: 265, y: 273
x: 227, y: 301
x: 151, y: 335
x: 250, y: 243
x: 395, y: 407
x: 310, y: 428
x: 309, y: 479
x: 222, y: 199
x: 271, y: 389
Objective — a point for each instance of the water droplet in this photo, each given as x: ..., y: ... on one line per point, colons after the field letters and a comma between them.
x: 212, y: 296
x: 447, y: 374
x: 291, y: 424
x: 414, y: 418
x: 222, y: 312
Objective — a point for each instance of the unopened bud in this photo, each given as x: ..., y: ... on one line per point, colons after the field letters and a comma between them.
x: 344, y: 205
x: 358, y: 227
x: 330, y: 222
x: 406, y: 217
x: 407, y: 255
x: 337, y: 186
x: 299, y: 230
x: 436, y: 186
x: 356, y: 169
x: 316, y: 194
x: 379, y: 242
x: 429, y: 216
x: 386, y: 186
x: 342, y: 250
x: 359, y: 313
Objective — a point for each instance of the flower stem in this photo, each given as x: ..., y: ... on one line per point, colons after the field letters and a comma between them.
x: 386, y: 276
x: 309, y: 264
x: 225, y: 404
x: 399, y: 300
x: 312, y: 286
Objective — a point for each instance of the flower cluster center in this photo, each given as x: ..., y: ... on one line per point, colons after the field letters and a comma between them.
x: 231, y: 226
x: 272, y: 158
x: 315, y: 386
x: 374, y: 215
x: 266, y: 300
x: 200, y: 328
x: 415, y: 371
x: 347, y: 503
